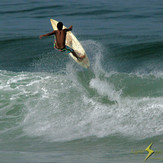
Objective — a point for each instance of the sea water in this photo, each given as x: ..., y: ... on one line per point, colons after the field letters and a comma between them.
x: 53, y: 110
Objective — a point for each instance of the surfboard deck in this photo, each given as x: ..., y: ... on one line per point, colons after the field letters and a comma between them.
x: 73, y: 42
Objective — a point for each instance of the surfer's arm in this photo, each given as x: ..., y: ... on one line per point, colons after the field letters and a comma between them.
x: 69, y: 29
x: 48, y: 34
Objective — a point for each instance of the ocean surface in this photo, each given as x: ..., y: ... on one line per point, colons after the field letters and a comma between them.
x: 52, y: 110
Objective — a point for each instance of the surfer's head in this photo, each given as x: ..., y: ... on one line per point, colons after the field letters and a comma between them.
x: 60, y: 25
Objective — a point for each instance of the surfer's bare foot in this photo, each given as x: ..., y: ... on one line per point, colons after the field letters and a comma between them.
x: 81, y: 58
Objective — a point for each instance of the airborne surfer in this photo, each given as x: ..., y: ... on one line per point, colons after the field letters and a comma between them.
x: 59, y: 43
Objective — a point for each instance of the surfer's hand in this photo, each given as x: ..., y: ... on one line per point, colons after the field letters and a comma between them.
x: 41, y: 36
x: 70, y: 27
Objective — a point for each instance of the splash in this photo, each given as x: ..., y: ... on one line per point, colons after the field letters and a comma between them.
x: 78, y: 104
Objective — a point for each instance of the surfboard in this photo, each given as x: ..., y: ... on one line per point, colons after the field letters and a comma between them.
x: 73, y: 42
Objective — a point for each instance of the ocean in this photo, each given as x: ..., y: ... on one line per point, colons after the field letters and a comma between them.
x: 52, y: 110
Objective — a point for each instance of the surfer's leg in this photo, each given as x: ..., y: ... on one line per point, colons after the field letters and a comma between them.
x: 70, y: 50
x: 78, y: 58
x: 74, y: 54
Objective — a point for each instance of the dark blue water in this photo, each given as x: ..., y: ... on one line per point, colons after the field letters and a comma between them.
x: 53, y: 110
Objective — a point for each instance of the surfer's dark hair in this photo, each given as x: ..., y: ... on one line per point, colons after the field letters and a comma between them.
x: 60, y: 25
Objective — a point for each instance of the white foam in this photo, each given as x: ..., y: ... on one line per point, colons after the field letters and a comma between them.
x: 105, y: 89
x: 59, y: 107
x: 70, y: 113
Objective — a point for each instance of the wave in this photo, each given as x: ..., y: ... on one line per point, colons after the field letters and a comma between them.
x: 32, y: 9
x: 148, y: 50
x: 74, y: 104
x: 142, y: 58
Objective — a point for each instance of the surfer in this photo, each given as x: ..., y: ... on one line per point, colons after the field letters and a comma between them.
x: 59, y: 43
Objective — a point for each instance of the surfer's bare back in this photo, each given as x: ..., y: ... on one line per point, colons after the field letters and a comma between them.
x: 59, y: 43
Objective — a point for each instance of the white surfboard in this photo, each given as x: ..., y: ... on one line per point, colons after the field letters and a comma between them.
x: 72, y: 42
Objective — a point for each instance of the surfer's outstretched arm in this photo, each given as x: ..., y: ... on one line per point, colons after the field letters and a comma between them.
x: 48, y: 34
x: 69, y: 29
